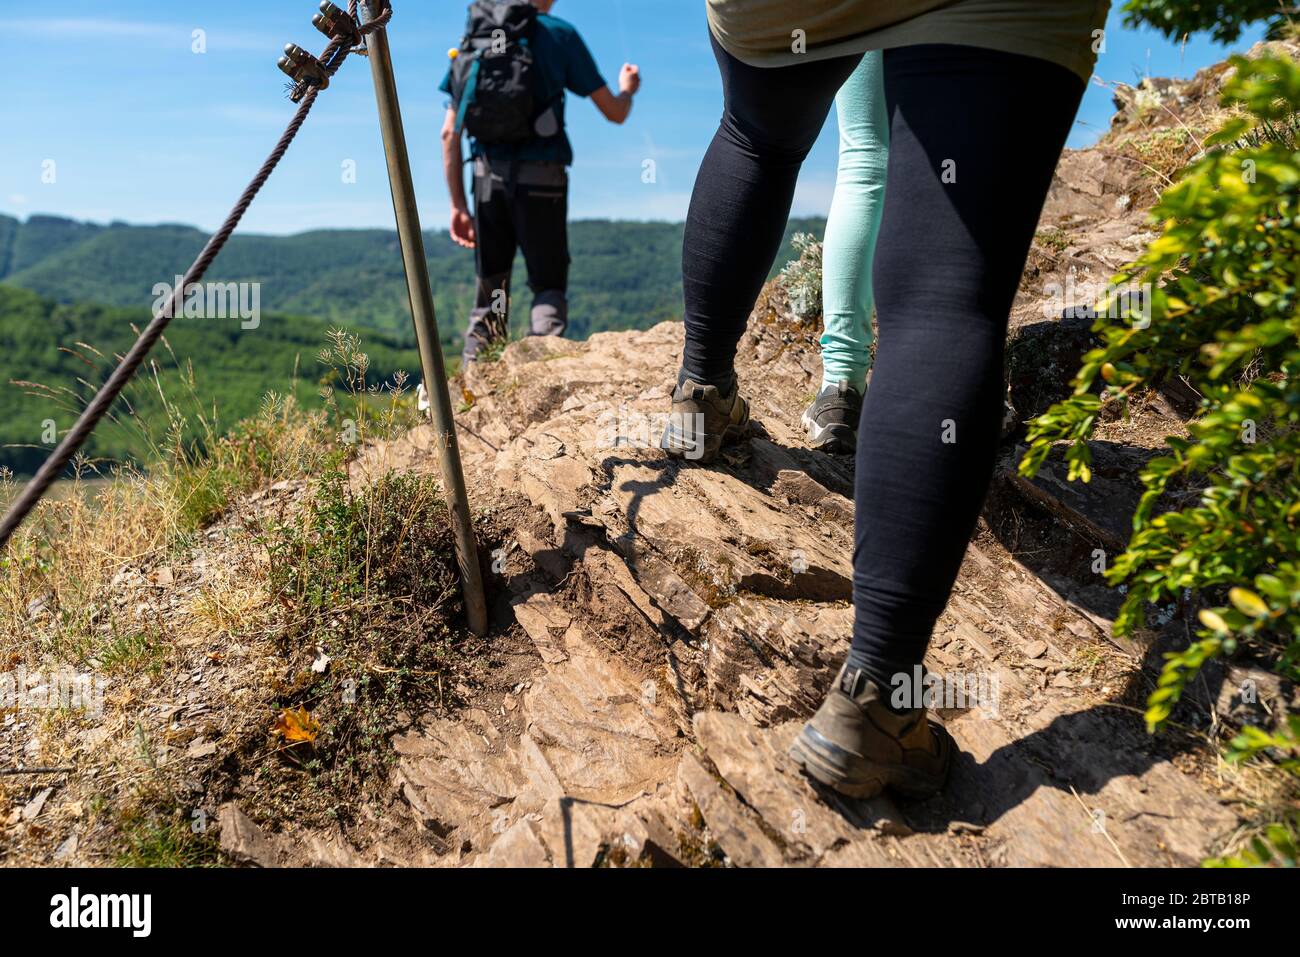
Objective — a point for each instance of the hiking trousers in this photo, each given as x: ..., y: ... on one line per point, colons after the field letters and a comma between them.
x: 853, y: 225
x: 974, y: 137
x: 519, y: 206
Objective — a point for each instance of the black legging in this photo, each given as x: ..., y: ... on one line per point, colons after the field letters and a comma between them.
x: 974, y: 138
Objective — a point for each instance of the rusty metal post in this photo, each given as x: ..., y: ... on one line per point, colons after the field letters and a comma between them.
x: 426, y: 326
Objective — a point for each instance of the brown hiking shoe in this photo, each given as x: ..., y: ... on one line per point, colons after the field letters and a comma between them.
x: 702, y: 420
x: 859, y: 746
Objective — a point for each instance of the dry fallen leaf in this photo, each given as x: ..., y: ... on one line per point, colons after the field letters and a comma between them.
x: 296, y: 726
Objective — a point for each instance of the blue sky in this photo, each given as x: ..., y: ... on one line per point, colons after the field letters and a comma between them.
x: 143, y: 129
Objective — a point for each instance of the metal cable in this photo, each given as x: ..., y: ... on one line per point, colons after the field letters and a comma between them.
x: 332, y: 58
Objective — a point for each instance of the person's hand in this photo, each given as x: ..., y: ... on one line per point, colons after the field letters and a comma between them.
x: 629, y: 78
x: 462, y: 227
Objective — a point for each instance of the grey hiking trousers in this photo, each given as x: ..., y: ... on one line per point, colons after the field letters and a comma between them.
x: 519, y: 206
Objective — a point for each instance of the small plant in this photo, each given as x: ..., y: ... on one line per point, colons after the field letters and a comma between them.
x: 493, y: 350
x: 154, y: 840
x: 369, y: 588
x: 802, y: 278
x: 1163, y: 153
x: 1275, y: 847
x: 133, y: 651
x: 1055, y: 238
x: 360, y: 408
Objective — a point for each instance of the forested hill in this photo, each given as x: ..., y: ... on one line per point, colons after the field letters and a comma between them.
x: 625, y: 275
x: 215, y: 369
x: 69, y: 287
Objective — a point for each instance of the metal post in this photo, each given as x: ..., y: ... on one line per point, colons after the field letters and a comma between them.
x: 426, y: 327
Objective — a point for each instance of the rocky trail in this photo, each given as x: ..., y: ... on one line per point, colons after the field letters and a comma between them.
x: 687, y: 619
x: 680, y: 622
x: 660, y: 630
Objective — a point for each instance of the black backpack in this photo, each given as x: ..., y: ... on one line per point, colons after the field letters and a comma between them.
x: 492, y: 72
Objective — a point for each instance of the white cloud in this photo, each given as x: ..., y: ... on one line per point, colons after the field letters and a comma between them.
x: 88, y: 28
x: 643, y: 203
x: 85, y: 27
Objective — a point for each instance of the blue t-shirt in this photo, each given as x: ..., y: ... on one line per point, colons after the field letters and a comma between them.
x: 562, y: 62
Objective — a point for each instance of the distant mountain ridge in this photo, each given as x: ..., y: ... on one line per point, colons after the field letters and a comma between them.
x: 625, y: 275
x: 64, y: 282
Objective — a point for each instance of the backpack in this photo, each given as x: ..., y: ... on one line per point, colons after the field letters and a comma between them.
x: 493, y: 70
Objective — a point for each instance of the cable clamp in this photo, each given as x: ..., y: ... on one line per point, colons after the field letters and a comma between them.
x: 336, y: 23
x: 304, y: 69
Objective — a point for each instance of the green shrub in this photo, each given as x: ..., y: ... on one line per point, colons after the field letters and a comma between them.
x: 1276, y: 847
x: 1223, y: 282
x: 385, y: 544
x: 366, y: 577
x: 802, y: 278
x: 1225, y: 21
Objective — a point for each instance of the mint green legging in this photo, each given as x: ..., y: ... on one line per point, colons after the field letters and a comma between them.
x: 853, y: 225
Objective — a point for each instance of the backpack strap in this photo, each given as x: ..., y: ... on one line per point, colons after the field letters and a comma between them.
x: 467, y: 94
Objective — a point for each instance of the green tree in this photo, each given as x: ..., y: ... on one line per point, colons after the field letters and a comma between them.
x: 1224, y: 313
x: 1225, y: 21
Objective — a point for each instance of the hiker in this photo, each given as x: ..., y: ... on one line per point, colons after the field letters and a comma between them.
x: 852, y: 225
x: 506, y: 82
x: 980, y: 97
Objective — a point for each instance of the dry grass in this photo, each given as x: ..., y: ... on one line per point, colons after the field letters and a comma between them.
x: 99, y: 582
x: 1162, y: 153
x: 59, y: 567
x: 366, y: 628
x: 1261, y: 797
x: 159, y: 583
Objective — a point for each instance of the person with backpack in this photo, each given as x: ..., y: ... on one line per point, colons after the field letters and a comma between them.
x: 507, y: 83
x: 980, y: 96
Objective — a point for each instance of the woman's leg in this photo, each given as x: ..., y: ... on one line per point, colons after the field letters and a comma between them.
x: 742, y: 198
x: 853, y: 224
x: 974, y: 140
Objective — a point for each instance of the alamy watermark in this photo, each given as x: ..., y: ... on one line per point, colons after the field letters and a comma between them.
x: 210, y: 300
x: 73, y: 910
x: 974, y: 690
x: 683, y: 432
x: 58, y: 689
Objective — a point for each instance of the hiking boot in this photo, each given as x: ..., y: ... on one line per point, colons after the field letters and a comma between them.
x: 859, y: 746
x: 486, y: 328
x: 832, y: 420
x: 477, y: 339
x: 702, y: 420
